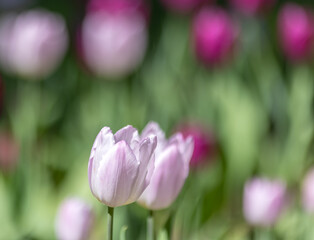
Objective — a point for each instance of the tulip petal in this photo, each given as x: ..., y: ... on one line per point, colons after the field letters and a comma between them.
x: 128, y: 134
x: 167, y: 180
x: 153, y: 129
x: 116, y: 176
x: 147, y: 159
x: 102, y: 144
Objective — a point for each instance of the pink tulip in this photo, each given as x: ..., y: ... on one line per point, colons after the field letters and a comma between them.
x: 295, y: 28
x: 171, y: 168
x: 184, y: 6
x: 252, y: 7
x: 32, y: 43
x: 308, y: 192
x: 204, y: 142
x: 114, y: 38
x: 263, y: 201
x: 214, y: 35
x: 120, y: 166
x: 9, y: 152
x: 74, y: 220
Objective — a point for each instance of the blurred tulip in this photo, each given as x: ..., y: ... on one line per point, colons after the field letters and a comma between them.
x: 114, y: 45
x: 204, y: 142
x: 263, y: 201
x: 308, y: 192
x: 252, y: 7
x: 74, y: 220
x: 9, y: 152
x: 295, y: 30
x: 214, y: 35
x: 32, y: 43
x: 184, y: 6
x: 171, y: 168
x: 120, y: 166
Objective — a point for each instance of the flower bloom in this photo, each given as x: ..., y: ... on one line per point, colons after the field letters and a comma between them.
x: 214, y: 35
x: 308, y: 192
x: 171, y: 168
x: 74, y: 220
x: 32, y: 43
x: 183, y: 6
x: 120, y: 166
x: 263, y: 201
x: 295, y: 31
x: 114, y: 39
x: 252, y: 7
x: 204, y: 142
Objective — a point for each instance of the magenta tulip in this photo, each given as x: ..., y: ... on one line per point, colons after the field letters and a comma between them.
x: 120, y: 166
x: 32, y: 43
x: 263, y: 201
x: 74, y: 220
x: 214, y: 35
x: 295, y: 29
x: 204, y: 142
x: 171, y: 168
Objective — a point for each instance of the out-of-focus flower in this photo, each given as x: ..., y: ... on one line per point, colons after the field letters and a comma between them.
x: 120, y: 166
x: 252, y: 7
x: 114, y: 38
x: 9, y: 152
x: 263, y: 201
x: 184, y: 6
x: 32, y: 43
x: 308, y: 192
x: 295, y: 29
x: 204, y: 142
x: 214, y: 35
x: 171, y: 168
x: 74, y: 220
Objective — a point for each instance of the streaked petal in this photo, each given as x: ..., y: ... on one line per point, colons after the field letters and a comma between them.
x: 102, y: 144
x: 147, y: 160
x: 116, y: 176
x: 153, y: 129
x: 130, y: 135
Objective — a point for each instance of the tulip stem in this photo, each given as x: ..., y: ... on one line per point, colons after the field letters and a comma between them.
x: 150, y: 226
x: 110, y: 223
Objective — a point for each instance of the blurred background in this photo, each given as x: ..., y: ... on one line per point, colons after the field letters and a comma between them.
x: 237, y: 75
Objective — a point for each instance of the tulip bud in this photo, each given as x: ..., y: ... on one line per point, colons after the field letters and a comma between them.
x: 214, y: 35
x: 9, y: 152
x: 32, y: 43
x: 308, y: 192
x: 295, y: 32
x: 263, y: 201
x: 74, y: 220
x: 204, y: 142
x: 114, y: 39
x: 184, y: 6
x: 120, y: 166
x: 171, y: 168
x: 252, y: 7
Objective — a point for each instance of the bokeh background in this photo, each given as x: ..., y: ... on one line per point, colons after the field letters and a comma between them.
x: 240, y: 78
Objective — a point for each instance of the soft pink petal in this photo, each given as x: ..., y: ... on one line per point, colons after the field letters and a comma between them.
x: 130, y: 135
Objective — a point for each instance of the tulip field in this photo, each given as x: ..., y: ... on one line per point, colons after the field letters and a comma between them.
x: 156, y: 120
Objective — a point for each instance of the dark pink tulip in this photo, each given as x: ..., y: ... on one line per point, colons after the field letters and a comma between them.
x: 183, y: 6
x: 214, y: 36
x: 204, y: 142
x: 252, y: 7
x: 9, y: 152
x: 295, y: 28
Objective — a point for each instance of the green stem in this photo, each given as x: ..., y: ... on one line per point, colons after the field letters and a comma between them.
x: 150, y: 226
x: 110, y: 223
